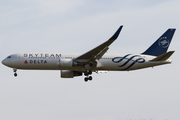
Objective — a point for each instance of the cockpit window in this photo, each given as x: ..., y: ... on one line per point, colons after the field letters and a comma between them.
x: 9, y: 57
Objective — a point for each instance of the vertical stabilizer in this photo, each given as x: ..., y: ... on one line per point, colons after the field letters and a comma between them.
x: 161, y: 45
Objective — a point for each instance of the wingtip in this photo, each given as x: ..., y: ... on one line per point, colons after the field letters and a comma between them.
x: 116, y: 34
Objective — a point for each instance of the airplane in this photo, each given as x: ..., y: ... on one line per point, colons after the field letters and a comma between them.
x: 95, y: 60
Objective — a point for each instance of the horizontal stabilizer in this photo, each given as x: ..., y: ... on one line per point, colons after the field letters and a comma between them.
x: 163, y: 57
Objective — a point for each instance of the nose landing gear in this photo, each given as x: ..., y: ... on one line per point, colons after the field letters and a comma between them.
x: 14, y: 70
x: 15, y: 74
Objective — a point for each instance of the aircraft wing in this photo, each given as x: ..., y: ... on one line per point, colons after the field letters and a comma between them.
x: 99, y: 51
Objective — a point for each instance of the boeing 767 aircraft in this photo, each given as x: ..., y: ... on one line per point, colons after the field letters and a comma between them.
x: 95, y: 60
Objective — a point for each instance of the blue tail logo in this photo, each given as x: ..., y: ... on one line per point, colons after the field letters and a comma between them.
x: 164, y: 42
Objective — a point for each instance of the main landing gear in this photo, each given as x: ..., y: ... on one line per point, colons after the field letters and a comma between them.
x: 14, y: 70
x: 87, y: 73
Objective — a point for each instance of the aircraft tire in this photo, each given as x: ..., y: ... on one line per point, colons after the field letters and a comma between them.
x: 86, y: 79
x: 15, y: 74
x: 90, y: 78
x: 89, y: 72
x: 86, y: 74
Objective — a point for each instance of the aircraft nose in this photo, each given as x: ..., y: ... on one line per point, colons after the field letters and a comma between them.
x: 5, y: 62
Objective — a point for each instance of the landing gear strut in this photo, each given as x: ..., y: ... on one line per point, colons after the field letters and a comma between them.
x: 87, y: 73
x: 14, y: 70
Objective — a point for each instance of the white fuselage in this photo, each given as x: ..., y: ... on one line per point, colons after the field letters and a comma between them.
x: 59, y: 61
x: 95, y: 60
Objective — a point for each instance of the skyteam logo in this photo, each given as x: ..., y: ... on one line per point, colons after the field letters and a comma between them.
x: 163, y: 42
x: 126, y: 59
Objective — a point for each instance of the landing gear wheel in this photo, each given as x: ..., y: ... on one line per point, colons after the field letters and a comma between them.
x: 86, y: 79
x: 15, y: 74
x: 90, y: 77
x: 89, y: 72
x: 14, y: 70
x: 86, y: 73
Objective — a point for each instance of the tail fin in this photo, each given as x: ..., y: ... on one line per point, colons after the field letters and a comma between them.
x: 161, y: 45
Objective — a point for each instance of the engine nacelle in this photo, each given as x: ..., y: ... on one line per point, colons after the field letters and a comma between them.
x: 70, y: 73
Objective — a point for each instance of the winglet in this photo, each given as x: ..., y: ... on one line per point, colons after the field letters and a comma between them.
x: 116, y: 34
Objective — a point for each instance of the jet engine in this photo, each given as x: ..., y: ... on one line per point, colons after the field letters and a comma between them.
x: 70, y: 73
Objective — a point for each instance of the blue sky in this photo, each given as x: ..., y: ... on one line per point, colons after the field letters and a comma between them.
x: 43, y: 26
